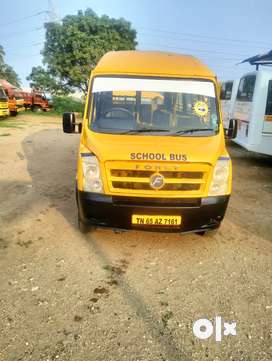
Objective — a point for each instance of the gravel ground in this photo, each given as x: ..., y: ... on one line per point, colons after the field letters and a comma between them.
x: 124, y: 295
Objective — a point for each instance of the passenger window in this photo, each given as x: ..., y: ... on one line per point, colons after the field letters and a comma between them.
x: 268, y: 110
x: 246, y: 88
x: 226, y: 90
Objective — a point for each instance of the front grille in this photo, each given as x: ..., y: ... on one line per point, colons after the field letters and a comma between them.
x: 182, y: 178
x: 144, y: 174
x: 3, y: 105
x: 146, y: 186
x: 156, y: 202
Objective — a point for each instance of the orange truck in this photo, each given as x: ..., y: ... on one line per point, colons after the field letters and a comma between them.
x: 15, y: 97
x: 36, y: 101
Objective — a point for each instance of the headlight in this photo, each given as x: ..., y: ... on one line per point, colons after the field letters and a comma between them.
x: 220, y: 179
x: 91, y: 175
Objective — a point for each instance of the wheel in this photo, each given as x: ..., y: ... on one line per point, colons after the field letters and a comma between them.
x: 82, y: 226
x: 37, y: 109
x: 13, y: 114
x: 201, y: 233
x: 209, y: 232
x: 213, y: 232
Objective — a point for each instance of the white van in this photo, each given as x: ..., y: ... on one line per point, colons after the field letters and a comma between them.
x: 227, y: 96
x: 252, y: 112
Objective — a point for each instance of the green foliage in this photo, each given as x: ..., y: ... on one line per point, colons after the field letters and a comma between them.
x: 73, y: 47
x: 63, y: 104
x: 10, y: 123
x: 41, y: 80
x: 6, y: 71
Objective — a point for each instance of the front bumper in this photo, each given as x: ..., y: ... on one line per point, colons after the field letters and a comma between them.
x: 116, y: 212
x: 20, y: 109
x: 4, y: 112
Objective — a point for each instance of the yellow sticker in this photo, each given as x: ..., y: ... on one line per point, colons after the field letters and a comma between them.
x: 201, y: 108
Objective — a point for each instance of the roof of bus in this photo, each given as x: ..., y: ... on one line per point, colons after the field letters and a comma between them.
x: 6, y: 84
x: 152, y: 63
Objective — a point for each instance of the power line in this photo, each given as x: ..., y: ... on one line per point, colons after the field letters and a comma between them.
x: 195, y: 50
x: 22, y: 33
x: 24, y: 55
x: 256, y: 43
x: 28, y: 45
x: 190, y: 40
x: 25, y: 18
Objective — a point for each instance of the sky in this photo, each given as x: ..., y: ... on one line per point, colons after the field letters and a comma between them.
x: 220, y: 33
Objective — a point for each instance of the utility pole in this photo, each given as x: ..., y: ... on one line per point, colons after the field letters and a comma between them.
x: 53, y: 15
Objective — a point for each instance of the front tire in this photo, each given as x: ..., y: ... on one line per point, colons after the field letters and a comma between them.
x: 201, y: 233
x: 82, y: 226
x: 37, y: 109
x: 209, y: 232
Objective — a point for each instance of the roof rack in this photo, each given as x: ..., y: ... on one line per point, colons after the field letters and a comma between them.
x: 257, y: 60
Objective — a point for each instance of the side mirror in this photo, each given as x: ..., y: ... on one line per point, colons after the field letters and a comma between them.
x: 69, y: 123
x: 231, y: 132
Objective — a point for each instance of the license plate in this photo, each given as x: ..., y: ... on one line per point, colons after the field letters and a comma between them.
x: 147, y: 220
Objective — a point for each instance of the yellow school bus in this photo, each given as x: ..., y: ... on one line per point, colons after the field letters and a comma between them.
x: 152, y: 151
x: 4, y: 110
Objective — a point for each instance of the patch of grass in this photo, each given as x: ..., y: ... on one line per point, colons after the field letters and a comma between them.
x: 107, y: 267
x: 10, y: 124
x: 63, y: 104
x: 5, y: 135
x: 163, y: 303
x: 166, y: 317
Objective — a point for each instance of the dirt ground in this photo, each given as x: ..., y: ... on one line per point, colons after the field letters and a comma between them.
x: 124, y: 295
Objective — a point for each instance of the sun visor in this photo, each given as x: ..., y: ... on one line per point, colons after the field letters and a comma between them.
x: 204, y: 88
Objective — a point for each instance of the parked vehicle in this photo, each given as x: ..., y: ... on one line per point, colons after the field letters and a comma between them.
x: 15, y: 98
x: 227, y: 96
x: 152, y: 152
x: 36, y: 101
x: 4, y: 111
x: 250, y: 113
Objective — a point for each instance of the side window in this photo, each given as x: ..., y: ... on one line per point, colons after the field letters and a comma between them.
x: 246, y: 88
x: 268, y: 109
x: 226, y: 90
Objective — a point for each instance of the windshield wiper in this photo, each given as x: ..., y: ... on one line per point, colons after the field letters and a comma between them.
x: 144, y: 130
x: 193, y: 130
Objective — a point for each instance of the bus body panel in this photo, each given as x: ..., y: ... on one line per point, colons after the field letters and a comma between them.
x: 254, y: 127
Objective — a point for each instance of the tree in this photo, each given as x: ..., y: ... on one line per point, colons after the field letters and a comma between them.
x: 41, y: 80
x: 6, y: 71
x: 73, y: 47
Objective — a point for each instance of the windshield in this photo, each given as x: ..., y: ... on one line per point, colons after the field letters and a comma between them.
x: 141, y: 105
x: 18, y: 96
x: 2, y: 94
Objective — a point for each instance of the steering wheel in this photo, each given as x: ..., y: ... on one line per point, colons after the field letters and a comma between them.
x: 113, y: 110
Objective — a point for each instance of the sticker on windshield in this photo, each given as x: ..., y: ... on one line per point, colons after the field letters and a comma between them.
x: 201, y: 108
